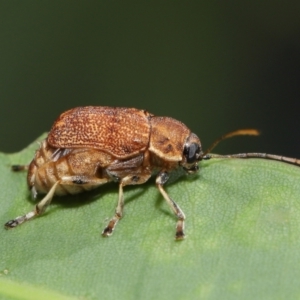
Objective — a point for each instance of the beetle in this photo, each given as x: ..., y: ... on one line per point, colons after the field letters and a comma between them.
x: 93, y: 145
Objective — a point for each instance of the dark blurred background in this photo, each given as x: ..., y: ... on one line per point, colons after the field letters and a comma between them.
x: 215, y: 67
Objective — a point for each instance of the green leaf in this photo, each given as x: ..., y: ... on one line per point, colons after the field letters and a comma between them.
x: 242, y: 226
x: 14, y: 290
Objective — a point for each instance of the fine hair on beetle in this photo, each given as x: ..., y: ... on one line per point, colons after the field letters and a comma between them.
x: 93, y: 145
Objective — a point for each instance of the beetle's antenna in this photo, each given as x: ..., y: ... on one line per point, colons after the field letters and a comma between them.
x: 290, y: 160
x: 229, y: 135
x: 294, y: 161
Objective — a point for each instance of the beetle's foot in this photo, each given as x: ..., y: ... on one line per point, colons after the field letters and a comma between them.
x: 179, y: 230
x: 17, y: 168
x: 108, y: 230
x: 15, y: 222
x: 19, y: 220
x: 179, y: 236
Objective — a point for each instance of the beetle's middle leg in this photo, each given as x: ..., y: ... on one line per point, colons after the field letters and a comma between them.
x: 141, y: 175
x: 108, y: 230
x: 161, y: 179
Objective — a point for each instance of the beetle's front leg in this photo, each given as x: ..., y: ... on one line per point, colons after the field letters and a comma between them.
x: 161, y: 179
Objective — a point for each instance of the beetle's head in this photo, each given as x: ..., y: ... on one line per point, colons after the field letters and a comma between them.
x: 192, y: 153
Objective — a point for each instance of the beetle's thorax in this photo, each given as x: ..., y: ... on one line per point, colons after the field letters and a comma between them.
x: 156, y: 163
x: 173, y: 145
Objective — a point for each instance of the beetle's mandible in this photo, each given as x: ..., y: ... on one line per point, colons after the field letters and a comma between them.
x: 90, y: 146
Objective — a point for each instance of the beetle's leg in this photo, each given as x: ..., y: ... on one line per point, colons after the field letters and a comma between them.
x: 108, y: 230
x: 17, y: 168
x: 38, y: 210
x: 78, y: 183
x: 140, y: 176
x: 161, y: 179
x: 83, y: 180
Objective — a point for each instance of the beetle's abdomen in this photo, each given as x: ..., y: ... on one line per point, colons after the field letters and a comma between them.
x: 51, y: 165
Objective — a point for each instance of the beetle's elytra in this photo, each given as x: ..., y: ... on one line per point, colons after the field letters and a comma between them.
x: 90, y: 146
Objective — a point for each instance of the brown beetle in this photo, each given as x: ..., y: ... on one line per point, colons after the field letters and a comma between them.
x: 90, y: 146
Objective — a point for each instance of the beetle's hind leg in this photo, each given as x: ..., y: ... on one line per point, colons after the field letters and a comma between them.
x: 161, y: 179
x: 17, y: 168
x: 38, y: 210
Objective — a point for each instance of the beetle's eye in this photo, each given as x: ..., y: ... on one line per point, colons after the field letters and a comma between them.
x: 191, y: 152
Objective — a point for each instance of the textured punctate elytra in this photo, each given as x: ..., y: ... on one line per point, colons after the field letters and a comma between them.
x: 123, y: 132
